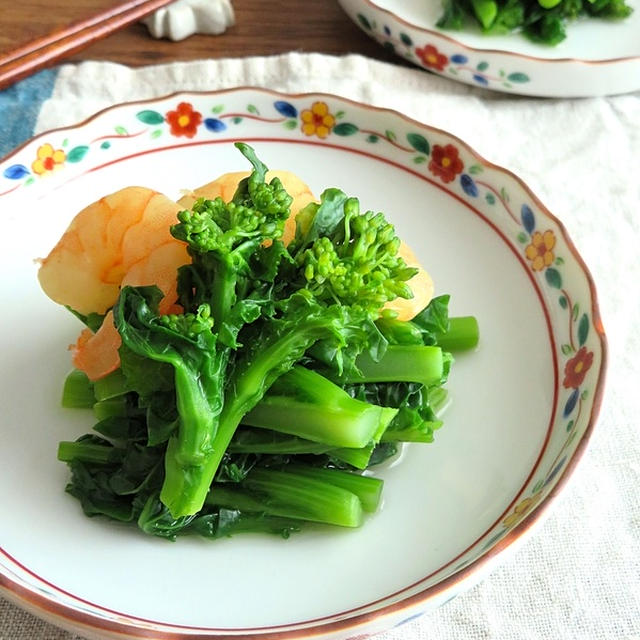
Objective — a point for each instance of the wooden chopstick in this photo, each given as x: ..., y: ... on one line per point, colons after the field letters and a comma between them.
x: 44, y: 51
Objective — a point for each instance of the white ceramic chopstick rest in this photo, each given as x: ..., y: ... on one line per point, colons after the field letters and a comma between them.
x: 183, y: 18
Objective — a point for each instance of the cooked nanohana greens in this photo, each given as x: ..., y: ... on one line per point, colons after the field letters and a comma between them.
x: 543, y: 21
x: 258, y: 402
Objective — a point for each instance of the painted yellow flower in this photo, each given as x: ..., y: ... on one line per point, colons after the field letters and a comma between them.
x: 48, y: 159
x: 521, y: 509
x: 540, y: 251
x: 317, y: 120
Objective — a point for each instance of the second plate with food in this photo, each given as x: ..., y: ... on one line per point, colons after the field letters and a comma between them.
x: 523, y: 404
x: 598, y: 57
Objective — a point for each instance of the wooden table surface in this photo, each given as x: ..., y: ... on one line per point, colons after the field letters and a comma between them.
x: 263, y: 27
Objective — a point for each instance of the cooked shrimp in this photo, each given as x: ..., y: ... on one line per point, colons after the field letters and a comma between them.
x: 97, y: 353
x: 421, y: 284
x: 121, y: 239
x: 225, y: 186
x: 103, y: 243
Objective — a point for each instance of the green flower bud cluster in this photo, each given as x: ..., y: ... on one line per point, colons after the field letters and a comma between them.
x: 189, y: 325
x: 360, y: 266
x: 271, y: 199
x: 214, y: 225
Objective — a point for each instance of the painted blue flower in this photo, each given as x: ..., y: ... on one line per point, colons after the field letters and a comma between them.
x: 468, y: 185
x: 528, y: 219
x: 15, y: 172
x: 215, y: 125
x: 285, y: 108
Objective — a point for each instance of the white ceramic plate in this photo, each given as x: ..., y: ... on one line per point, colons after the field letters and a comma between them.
x: 597, y: 57
x: 523, y: 404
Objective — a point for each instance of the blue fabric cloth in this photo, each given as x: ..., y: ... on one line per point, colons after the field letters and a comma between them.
x: 19, y: 108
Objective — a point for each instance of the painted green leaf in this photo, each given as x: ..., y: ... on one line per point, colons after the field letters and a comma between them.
x: 219, y: 108
x: 566, y: 349
x: 538, y: 486
x: 453, y: 71
x: 419, y: 143
x: 553, y: 277
x: 518, y: 77
x: 339, y: 115
x: 121, y: 131
x: 420, y: 159
x: 390, y: 135
x: 77, y: 153
x: 236, y: 120
x: 570, y: 425
x: 345, y: 129
x: 583, y: 329
x: 563, y: 302
x: 482, y: 66
x: 148, y: 116
x: 372, y: 138
x: 251, y: 108
x: 364, y: 21
x: 65, y: 142
x: 156, y: 133
x: 575, y: 311
x: 29, y: 181
x: 523, y: 237
x: 584, y: 394
x: 290, y: 124
x: 494, y: 539
x: 105, y: 145
x: 504, y: 195
x: 475, y: 169
x: 490, y: 198
x: 406, y: 40
x: 559, y: 261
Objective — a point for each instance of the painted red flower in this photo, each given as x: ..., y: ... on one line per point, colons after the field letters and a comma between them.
x: 576, y: 369
x: 432, y: 58
x: 445, y: 162
x: 184, y: 121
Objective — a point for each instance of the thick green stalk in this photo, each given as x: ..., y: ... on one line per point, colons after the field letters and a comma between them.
x: 272, y: 442
x: 486, y: 12
x: 367, y: 488
x: 77, y: 392
x: 250, y: 382
x: 88, y: 452
x: 337, y: 426
x: 306, y: 404
x: 186, y: 478
x: 463, y: 334
x: 111, y: 386
x: 291, y: 495
x: 401, y: 363
x: 113, y: 407
x: 223, y: 291
x: 358, y: 458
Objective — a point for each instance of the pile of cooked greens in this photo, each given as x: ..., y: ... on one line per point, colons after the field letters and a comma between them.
x: 259, y: 407
x: 542, y: 21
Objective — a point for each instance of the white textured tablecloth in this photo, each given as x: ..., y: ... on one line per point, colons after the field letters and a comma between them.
x: 578, y: 576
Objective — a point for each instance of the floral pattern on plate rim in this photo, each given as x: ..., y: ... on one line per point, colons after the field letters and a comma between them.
x: 442, y: 163
x: 429, y: 57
